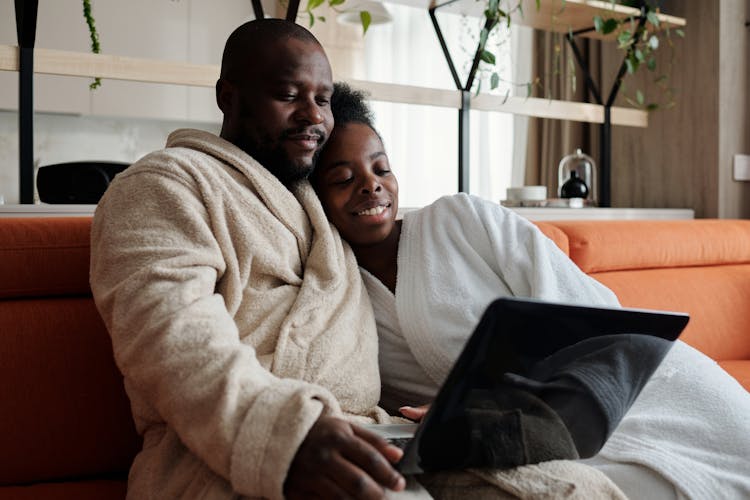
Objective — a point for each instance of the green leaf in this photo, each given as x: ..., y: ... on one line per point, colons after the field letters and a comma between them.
x: 366, y: 19
x: 598, y: 23
x: 652, y: 107
x: 652, y: 18
x: 492, y: 6
x: 528, y: 90
x: 334, y: 3
x: 487, y: 57
x: 639, y: 55
x: 651, y: 64
x: 623, y: 39
x: 680, y: 33
x: 507, y: 95
x: 312, y: 18
x: 653, y: 42
x: 639, y: 97
x: 629, y: 64
x: 494, y: 81
x: 322, y: 19
x: 313, y: 4
x: 483, y: 37
x: 609, y: 26
x: 538, y: 4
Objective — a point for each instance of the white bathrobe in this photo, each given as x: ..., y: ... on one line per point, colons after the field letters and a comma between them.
x: 691, y: 424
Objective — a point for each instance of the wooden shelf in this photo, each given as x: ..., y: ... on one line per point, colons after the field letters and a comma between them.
x: 561, y: 16
x: 59, y: 62
x: 562, y: 110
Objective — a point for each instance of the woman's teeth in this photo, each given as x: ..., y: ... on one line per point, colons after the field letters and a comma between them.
x: 372, y: 211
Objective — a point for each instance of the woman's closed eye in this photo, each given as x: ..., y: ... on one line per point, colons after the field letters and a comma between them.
x: 342, y: 181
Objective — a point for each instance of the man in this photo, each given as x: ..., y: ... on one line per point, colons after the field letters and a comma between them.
x: 225, y: 289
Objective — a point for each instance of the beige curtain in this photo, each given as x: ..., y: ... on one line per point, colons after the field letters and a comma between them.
x: 560, y: 78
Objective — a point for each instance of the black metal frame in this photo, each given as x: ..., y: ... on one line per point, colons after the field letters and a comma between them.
x: 605, y: 143
x: 605, y: 129
x: 465, y: 109
x: 26, y: 11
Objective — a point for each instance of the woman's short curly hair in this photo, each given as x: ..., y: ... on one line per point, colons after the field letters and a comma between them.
x: 349, y: 105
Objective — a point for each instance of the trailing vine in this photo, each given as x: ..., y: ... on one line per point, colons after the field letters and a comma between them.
x: 95, y: 47
x: 639, y: 40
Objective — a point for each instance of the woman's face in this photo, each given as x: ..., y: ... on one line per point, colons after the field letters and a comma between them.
x: 356, y: 186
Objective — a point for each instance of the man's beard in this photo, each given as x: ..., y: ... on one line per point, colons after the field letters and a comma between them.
x: 274, y: 158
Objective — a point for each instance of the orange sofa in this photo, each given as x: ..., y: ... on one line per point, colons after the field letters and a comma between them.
x: 65, y: 424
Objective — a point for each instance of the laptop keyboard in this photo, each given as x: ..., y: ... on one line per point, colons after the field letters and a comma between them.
x: 399, y: 442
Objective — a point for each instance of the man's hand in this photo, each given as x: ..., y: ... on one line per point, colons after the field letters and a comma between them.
x: 340, y: 460
x: 412, y: 413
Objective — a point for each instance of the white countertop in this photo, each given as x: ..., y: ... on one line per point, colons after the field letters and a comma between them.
x: 539, y: 214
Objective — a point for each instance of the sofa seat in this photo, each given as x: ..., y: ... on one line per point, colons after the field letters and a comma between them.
x: 65, y: 414
x: 75, y: 490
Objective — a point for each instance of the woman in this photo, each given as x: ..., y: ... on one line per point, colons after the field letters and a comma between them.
x: 431, y: 275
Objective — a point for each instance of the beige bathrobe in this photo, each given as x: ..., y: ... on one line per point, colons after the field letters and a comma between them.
x: 236, y: 314
x: 238, y: 317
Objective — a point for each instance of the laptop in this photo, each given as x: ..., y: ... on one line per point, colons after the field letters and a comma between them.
x: 512, y: 336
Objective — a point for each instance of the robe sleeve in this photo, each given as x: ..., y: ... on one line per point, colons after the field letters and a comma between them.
x: 531, y: 264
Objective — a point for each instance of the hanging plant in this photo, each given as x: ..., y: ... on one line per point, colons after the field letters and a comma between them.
x: 640, y: 39
x: 95, y: 47
x: 639, y: 36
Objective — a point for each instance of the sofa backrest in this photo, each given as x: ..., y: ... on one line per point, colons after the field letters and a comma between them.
x: 65, y: 413
x: 701, y: 267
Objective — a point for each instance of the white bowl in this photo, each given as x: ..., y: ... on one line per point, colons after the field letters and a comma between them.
x: 526, y: 193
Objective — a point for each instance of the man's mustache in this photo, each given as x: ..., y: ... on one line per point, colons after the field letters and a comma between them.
x: 305, y: 131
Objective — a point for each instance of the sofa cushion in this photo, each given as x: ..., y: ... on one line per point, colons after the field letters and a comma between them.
x: 716, y: 297
x: 64, y: 413
x: 556, y: 235
x: 44, y: 256
x: 618, y: 245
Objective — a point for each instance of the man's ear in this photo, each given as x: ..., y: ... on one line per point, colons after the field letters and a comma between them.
x: 224, y: 95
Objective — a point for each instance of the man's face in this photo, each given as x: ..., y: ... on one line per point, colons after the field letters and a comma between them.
x: 283, y: 114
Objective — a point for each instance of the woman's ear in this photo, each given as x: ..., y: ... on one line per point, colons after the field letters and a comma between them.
x: 225, y: 92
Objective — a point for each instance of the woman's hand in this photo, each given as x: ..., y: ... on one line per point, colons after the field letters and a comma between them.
x: 414, y: 413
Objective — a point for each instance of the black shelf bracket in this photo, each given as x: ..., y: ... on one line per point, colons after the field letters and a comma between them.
x: 465, y: 88
x: 291, y: 10
x: 605, y: 129
x: 26, y: 11
x: 258, y: 9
